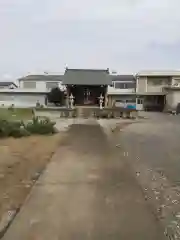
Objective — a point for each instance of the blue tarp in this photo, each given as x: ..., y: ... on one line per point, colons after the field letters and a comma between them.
x: 131, y: 106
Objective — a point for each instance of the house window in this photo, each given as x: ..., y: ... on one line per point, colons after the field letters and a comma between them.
x: 159, y: 80
x: 125, y: 85
x: 130, y: 85
x: 29, y: 84
x: 50, y: 85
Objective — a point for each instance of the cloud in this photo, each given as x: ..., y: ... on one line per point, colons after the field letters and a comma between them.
x: 127, y: 35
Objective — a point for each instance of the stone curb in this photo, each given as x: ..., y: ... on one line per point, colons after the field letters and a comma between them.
x: 6, y: 221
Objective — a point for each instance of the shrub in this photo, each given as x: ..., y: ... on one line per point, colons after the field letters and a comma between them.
x: 20, y: 129
x: 19, y: 132
x: 12, y: 129
x: 56, y: 96
x: 4, y: 132
x: 38, y: 126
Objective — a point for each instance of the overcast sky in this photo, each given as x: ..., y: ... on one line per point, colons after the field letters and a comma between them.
x: 124, y: 35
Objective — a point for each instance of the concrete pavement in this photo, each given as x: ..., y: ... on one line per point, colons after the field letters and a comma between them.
x: 88, y: 191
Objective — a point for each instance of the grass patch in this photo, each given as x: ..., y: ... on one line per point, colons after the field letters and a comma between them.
x: 16, y: 113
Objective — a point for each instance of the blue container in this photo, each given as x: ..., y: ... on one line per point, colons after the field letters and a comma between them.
x: 131, y: 106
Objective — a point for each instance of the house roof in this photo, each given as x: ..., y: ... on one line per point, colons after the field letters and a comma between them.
x: 123, y: 78
x: 22, y: 91
x: 7, y: 84
x: 158, y: 73
x: 87, y: 77
x: 51, y: 78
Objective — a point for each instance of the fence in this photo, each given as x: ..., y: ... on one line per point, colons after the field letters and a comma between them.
x: 88, y: 112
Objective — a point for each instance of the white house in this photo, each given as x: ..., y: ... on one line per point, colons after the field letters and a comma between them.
x: 32, y: 89
x: 41, y: 82
x: 21, y: 97
x: 8, y: 85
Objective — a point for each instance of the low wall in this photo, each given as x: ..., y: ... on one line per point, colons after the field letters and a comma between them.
x: 84, y: 112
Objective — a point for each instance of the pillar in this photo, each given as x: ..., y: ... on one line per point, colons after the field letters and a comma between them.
x: 106, y: 100
x: 67, y: 98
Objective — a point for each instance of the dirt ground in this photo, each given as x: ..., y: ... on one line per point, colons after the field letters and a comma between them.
x: 21, y: 162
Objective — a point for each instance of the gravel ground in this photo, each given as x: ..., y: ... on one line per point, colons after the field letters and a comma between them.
x: 151, y: 147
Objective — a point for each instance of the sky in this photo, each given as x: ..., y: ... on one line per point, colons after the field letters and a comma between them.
x: 126, y: 36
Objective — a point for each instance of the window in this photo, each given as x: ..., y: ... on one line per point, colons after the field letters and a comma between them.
x: 29, y: 84
x: 131, y: 101
x: 120, y: 101
x: 50, y: 85
x: 119, y: 85
x: 159, y: 80
x: 130, y: 85
x: 125, y: 85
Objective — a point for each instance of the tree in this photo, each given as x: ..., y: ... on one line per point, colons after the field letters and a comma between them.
x: 56, y: 96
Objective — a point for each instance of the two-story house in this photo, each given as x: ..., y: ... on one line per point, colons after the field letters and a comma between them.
x: 157, y: 90
x: 122, y: 90
x: 32, y: 89
x: 41, y: 82
x: 8, y: 85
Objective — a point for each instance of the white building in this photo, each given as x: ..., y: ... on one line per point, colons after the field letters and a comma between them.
x: 41, y: 82
x: 8, y: 85
x: 21, y: 97
x: 32, y: 89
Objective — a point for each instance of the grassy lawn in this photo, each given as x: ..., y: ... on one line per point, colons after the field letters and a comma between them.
x: 21, y: 162
x: 16, y: 113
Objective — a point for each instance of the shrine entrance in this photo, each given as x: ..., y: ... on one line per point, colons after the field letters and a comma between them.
x: 86, y: 95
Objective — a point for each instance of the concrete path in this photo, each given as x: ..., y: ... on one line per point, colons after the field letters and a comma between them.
x: 87, y: 192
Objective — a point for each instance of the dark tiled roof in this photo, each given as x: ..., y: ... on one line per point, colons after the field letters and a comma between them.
x: 87, y: 77
x: 42, y: 78
x: 7, y: 84
x: 123, y: 78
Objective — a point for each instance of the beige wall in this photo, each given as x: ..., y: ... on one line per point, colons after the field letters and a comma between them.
x: 169, y: 100
x: 20, y: 100
x: 172, y: 99
x: 141, y: 84
x: 176, y: 98
x: 156, y: 84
